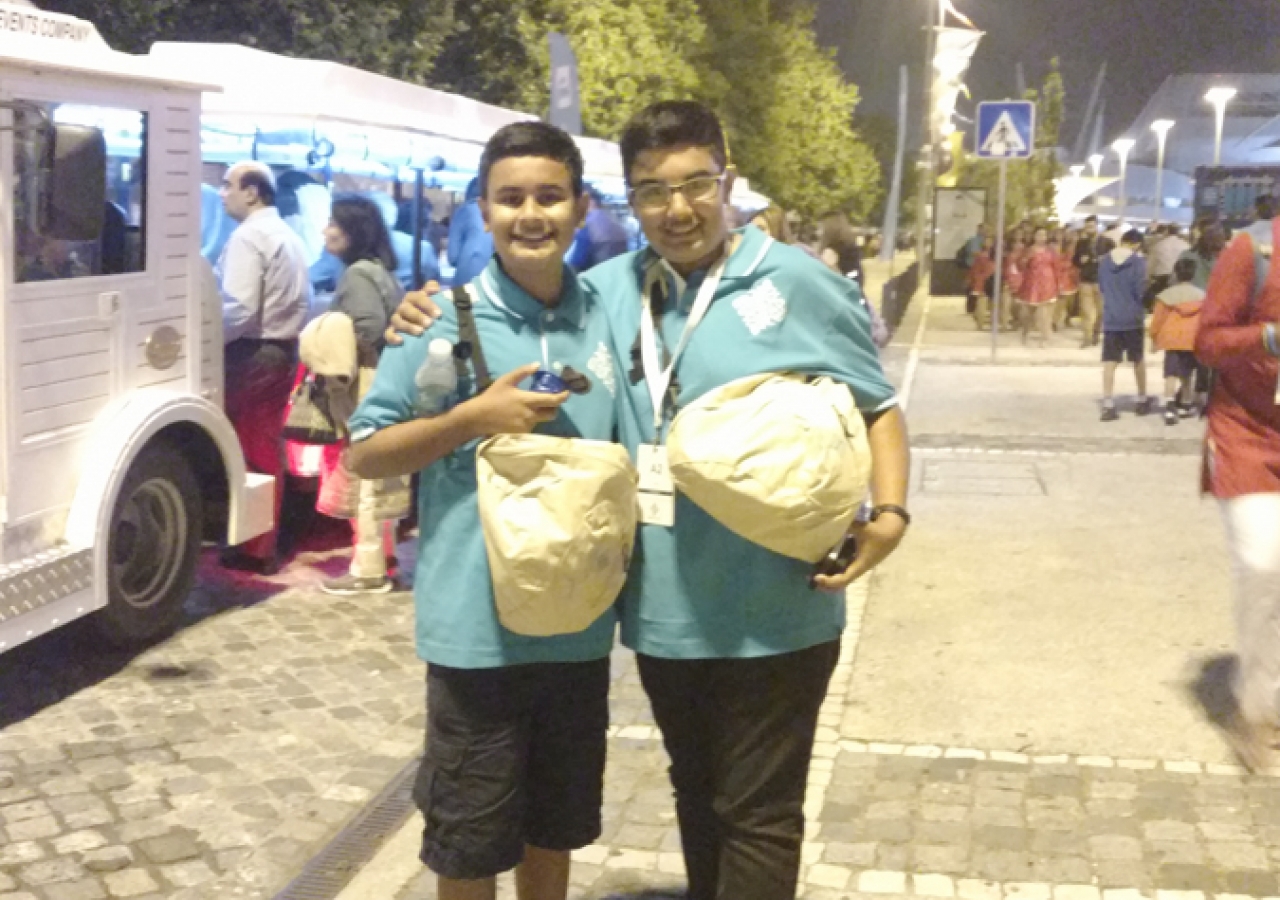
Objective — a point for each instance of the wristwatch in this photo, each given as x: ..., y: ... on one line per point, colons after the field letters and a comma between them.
x: 877, y: 511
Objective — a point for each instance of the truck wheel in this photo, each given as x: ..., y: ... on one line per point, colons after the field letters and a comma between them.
x: 152, y: 547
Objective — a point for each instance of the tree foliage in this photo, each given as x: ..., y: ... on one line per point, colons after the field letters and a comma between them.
x: 788, y: 110
x: 630, y: 53
x: 786, y: 106
x: 400, y: 38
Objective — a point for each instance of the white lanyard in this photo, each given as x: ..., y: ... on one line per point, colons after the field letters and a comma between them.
x: 491, y: 293
x: 657, y: 379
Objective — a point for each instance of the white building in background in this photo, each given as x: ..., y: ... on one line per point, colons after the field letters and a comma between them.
x: 1251, y: 138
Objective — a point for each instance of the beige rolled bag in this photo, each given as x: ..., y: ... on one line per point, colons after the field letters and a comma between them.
x: 779, y: 459
x: 559, y: 520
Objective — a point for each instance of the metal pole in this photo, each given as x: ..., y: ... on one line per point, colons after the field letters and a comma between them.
x: 889, y: 233
x: 419, y: 184
x: 1124, y: 189
x: 926, y: 167
x: 1155, y: 219
x: 1221, y: 109
x: 997, y: 299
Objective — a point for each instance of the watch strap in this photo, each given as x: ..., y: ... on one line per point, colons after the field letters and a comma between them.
x: 877, y: 511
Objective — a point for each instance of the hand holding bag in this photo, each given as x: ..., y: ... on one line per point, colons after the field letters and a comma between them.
x: 781, y: 460
x: 559, y: 519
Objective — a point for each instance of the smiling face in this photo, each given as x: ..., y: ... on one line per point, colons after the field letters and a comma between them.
x: 690, y: 231
x: 532, y: 211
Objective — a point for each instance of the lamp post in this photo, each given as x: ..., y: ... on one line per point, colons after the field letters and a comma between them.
x: 1122, y: 148
x: 1076, y: 171
x: 1219, y: 97
x: 1161, y: 128
x: 1095, y: 162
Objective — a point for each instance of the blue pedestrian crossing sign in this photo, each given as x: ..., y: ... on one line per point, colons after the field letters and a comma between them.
x: 1006, y: 130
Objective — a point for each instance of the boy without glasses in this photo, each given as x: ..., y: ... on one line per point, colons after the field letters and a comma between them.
x: 513, y: 771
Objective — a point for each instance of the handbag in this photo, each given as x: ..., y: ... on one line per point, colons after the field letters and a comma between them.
x: 308, y: 420
x: 559, y: 520
x: 779, y: 459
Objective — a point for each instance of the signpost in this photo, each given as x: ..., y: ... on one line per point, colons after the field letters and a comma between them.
x: 1006, y: 131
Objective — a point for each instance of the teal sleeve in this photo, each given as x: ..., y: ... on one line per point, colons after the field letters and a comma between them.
x: 393, y: 398
x: 856, y: 360
x: 850, y: 352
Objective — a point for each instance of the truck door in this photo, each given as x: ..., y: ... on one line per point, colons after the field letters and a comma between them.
x: 66, y: 301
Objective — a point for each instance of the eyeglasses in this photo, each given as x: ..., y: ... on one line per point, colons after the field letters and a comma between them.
x: 656, y: 195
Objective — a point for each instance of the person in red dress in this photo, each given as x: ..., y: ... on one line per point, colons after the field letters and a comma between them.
x: 1039, y: 291
x: 1237, y: 337
x: 982, y: 270
x: 1011, y: 281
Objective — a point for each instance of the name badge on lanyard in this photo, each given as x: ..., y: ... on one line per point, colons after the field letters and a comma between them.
x: 657, y: 489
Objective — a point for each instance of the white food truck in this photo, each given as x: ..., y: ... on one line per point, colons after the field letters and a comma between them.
x: 116, y: 459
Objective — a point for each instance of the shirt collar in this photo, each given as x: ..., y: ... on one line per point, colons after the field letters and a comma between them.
x: 267, y: 212
x: 751, y: 244
x: 518, y: 301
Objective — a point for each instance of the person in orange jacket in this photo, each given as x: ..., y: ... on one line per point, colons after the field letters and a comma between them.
x: 1173, y: 328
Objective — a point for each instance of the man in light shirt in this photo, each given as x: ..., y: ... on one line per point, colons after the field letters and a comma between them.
x: 1164, y: 254
x: 266, y: 292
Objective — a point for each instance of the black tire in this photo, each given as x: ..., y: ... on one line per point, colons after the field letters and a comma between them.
x: 153, y: 545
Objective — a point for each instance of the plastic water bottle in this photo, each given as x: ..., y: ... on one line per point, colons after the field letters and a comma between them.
x: 436, y: 379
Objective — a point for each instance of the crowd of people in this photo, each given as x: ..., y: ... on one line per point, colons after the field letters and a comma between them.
x: 1118, y: 288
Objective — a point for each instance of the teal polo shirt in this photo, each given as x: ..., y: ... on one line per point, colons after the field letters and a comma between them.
x: 698, y: 590
x: 457, y: 622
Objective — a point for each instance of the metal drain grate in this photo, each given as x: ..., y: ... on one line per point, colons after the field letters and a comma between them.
x: 324, y: 877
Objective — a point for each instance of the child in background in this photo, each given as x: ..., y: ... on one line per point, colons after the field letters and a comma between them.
x: 1173, y: 328
x: 980, y: 273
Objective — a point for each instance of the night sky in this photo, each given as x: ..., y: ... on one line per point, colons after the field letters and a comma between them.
x: 1143, y: 41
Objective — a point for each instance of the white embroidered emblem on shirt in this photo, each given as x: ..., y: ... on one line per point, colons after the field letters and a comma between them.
x: 762, y: 307
x: 601, y: 366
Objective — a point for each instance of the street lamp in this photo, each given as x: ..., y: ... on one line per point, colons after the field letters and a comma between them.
x: 1122, y: 148
x: 1076, y: 171
x: 1219, y: 97
x: 1096, y: 162
x: 1161, y: 128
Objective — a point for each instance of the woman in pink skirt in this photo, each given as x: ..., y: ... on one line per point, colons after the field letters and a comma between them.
x: 1039, y: 291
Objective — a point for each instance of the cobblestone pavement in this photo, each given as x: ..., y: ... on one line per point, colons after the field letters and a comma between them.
x: 213, y: 765
x: 891, y: 819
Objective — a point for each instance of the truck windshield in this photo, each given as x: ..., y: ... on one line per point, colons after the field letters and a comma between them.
x: 121, y: 248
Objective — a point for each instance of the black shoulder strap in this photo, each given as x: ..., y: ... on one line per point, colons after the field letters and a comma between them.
x: 468, y: 347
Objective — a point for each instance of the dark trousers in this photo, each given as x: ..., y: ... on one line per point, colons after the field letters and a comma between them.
x: 259, y: 378
x: 740, y: 736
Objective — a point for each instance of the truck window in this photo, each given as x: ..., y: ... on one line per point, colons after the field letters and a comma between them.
x: 122, y: 247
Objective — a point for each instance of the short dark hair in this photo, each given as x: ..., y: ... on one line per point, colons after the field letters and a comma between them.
x: 266, y: 188
x: 367, y: 237
x: 1265, y: 206
x: 1093, y: 219
x: 1132, y: 236
x: 532, y: 139
x: 1185, y: 270
x: 669, y: 124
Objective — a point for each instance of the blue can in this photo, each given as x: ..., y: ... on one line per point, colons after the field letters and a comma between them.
x: 545, y: 382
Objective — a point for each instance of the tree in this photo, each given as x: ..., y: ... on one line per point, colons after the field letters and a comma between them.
x: 630, y: 53
x: 486, y: 57
x: 789, y: 113
x: 400, y: 38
